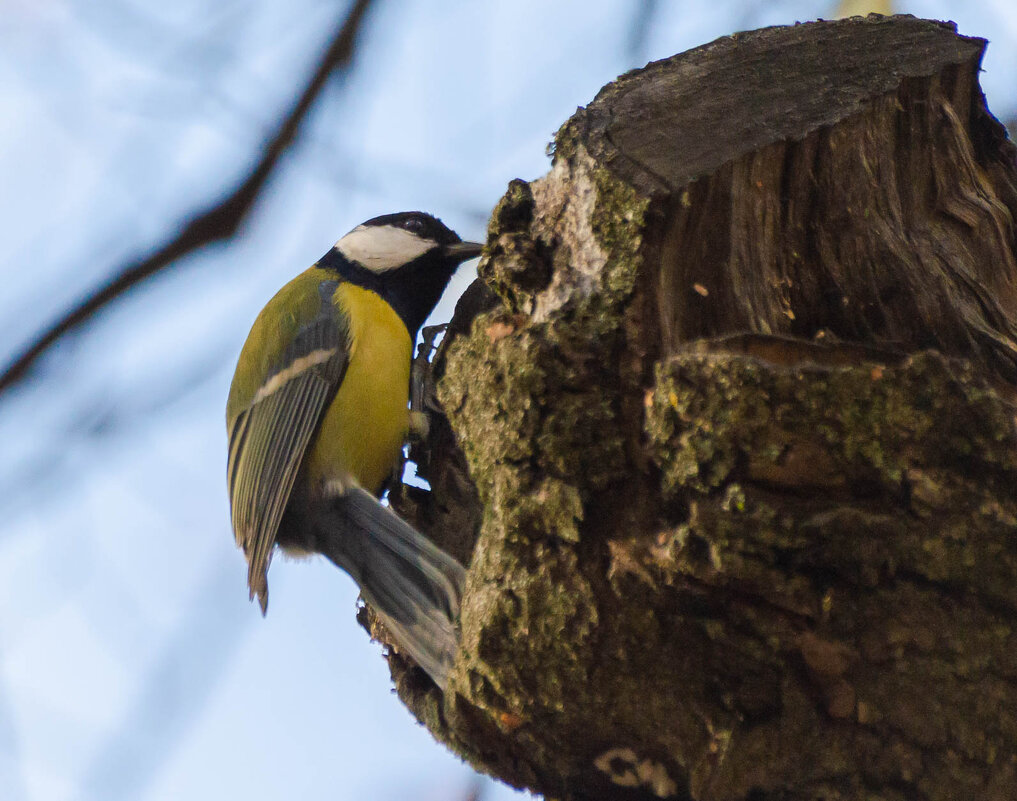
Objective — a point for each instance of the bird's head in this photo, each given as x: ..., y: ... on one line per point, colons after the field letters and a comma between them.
x: 408, y: 258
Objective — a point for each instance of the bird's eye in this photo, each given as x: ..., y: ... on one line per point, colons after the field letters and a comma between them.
x: 414, y: 225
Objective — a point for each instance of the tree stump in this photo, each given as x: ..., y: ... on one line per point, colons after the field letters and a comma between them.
x: 729, y: 429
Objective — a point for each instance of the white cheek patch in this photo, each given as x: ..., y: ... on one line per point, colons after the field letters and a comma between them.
x: 382, y: 247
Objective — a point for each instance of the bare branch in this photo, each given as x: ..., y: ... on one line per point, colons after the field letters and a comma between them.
x: 220, y: 221
x: 475, y: 792
x: 639, y: 32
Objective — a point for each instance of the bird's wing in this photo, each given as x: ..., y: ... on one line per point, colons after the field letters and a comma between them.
x: 300, y: 342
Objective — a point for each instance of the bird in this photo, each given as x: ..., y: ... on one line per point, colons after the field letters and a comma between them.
x: 317, y: 417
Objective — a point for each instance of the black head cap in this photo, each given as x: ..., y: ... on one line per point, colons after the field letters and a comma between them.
x: 420, y: 223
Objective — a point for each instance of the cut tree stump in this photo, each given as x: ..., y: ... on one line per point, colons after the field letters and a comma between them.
x: 728, y: 427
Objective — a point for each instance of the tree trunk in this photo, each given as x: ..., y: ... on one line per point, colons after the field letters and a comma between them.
x: 729, y: 429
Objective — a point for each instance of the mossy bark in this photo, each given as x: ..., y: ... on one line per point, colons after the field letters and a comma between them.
x: 729, y: 429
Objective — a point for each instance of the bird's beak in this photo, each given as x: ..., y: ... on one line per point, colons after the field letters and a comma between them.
x: 463, y: 251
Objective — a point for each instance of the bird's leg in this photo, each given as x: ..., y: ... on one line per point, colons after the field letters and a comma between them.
x: 420, y: 426
x: 419, y: 375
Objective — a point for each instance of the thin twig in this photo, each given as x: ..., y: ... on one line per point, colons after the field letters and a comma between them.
x: 640, y: 30
x: 475, y: 792
x: 219, y: 222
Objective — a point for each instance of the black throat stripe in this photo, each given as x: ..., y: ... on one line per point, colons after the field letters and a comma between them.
x: 412, y: 290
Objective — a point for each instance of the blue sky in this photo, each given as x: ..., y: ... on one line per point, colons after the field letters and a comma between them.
x: 131, y: 664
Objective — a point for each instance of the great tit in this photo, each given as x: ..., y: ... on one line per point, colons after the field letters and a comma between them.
x: 318, y: 414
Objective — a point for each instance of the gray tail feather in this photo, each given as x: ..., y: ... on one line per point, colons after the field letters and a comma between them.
x: 413, y: 585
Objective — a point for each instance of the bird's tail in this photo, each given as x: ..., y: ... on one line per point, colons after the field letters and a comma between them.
x: 413, y: 585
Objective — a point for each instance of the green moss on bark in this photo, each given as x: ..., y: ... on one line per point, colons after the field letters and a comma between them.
x: 535, y: 407
x: 893, y: 435
x: 870, y: 423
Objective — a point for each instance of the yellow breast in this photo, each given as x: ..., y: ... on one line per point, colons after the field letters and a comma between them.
x: 364, y: 428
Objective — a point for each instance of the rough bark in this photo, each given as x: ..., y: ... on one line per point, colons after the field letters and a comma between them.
x: 731, y: 421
